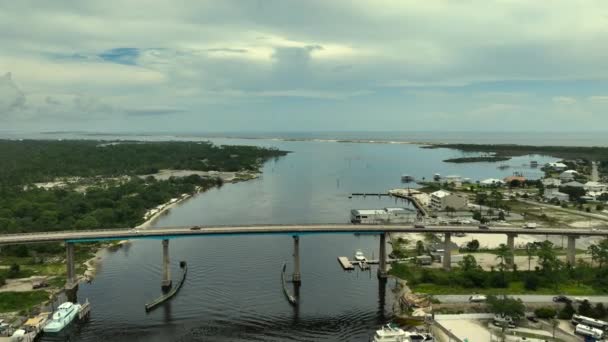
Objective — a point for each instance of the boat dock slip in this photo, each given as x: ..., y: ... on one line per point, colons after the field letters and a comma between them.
x: 171, y: 292
x: 346, y: 264
x: 292, y: 299
x: 85, y: 311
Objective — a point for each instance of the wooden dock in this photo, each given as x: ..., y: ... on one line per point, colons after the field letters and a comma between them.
x: 346, y: 264
x: 172, y: 292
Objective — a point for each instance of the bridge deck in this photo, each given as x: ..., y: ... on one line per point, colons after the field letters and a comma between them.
x: 175, y: 232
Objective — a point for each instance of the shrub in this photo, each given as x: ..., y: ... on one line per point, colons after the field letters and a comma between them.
x: 566, y: 312
x: 585, y: 309
x: 531, y: 282
x: 545, y: 312
x: 599, y: 311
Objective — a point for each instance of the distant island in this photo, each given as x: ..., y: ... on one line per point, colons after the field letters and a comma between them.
x: 491, y: 159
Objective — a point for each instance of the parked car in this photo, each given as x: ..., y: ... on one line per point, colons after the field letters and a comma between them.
x: 581, y: 299
x: 484, y: 226
x: 477, y: 298
x: 532, y: 319
x: 562, y: 299
x: 38, y: 284
x: 418, y: 226
x: 195, y: 228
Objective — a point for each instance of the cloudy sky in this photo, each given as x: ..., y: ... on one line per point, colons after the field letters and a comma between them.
x: 304, y: 65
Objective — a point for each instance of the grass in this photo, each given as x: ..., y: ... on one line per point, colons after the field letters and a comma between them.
x: 21, y: 301
x: 515, y: 287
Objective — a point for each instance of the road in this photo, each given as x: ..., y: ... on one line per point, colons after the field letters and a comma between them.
x: 190, y: 231
x: 569, y: 211
x: 524, y: 298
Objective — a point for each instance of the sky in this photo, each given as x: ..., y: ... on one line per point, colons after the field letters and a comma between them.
x: 314, y: 65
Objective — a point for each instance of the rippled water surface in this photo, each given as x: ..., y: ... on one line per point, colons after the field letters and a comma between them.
x: 233, y: 290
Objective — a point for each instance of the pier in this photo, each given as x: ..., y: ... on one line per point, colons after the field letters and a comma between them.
x: 165, y: 297
x: 346, y: 264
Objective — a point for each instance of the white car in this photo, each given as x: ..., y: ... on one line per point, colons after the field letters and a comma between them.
x: 477, y: 298
x: 581, y: 299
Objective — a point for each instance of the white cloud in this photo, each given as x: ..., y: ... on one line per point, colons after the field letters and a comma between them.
x: 564, y: 100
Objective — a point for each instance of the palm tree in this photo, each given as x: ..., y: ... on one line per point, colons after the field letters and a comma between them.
x: 503, y: 253
x: 530, y: 252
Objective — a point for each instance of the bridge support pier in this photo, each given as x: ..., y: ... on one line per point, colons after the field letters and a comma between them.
x: 296, y: 277
x: 511, y: 244
x: 447, y: 253
x: 382, y: 272
x: 71, y: 284
x: 166, y: 281
x: 571, y: 257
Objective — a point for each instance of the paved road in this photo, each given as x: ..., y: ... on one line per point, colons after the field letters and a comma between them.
x: 569, y: 211
x: 524, y: 298
x: 173, y: 232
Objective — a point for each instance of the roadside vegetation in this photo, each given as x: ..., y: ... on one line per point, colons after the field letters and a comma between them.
x: 549, y: 277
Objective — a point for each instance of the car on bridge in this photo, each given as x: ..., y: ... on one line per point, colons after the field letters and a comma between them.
x: 478, y: 298
x: 562, y: 299
x: 419, y: 226
x: 484, y: 226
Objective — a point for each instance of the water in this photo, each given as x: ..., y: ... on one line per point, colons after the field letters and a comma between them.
x: 233, y: 290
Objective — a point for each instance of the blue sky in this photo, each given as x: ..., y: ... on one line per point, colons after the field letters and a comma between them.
x: 304, y: 65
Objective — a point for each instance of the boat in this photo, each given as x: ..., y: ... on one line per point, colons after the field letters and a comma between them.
x: 62, y: 317
x: 406, y: 178
x: 390, y: 333
x: 359, y: 256
x: 436, y: 177
x: 419, y: 337
x: 534, y: 163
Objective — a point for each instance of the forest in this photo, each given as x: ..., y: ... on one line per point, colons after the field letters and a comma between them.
x: 28, y: 161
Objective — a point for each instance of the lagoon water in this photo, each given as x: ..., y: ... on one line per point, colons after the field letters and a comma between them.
x: 233, y: 290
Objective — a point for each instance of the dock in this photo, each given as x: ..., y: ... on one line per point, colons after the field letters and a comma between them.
x: 292, y: 300
x: 346, y: 264
x: 172, y: 292
x: 85, y: 311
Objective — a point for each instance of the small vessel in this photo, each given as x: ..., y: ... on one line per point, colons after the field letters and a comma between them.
x: 406, y: 178
x: 359, y: 256
x: 419, y: 337
x: 503, y: 167
x: 390, y: 333
x: 62, y: 317
x: 534, y: 163
x: 436, y: 177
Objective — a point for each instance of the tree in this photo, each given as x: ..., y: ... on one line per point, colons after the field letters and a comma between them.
x: 450, y: 210
x: 566, y: 312
x: 585, y: 309
x: 468, y: 263
x: 574, y: 192
x: 419, y: 247
x: 506, y: 307
x: 477, y: 216
x: 599, y: 252
x: 530, y: 252
x: 501, y: 215
x: 547, y: 258
x: 545, y: 312
x: 599, y: 207
x: 473, y: 245
x: 599, y: 311
x: 14, y: 270
x: 531, y: 282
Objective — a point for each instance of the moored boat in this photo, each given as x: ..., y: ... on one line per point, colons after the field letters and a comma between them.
x: 62, y: 317
x: 390, y: 333
x: 359, y: 256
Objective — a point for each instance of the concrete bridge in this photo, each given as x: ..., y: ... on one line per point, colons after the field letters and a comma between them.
x: 296, y: 230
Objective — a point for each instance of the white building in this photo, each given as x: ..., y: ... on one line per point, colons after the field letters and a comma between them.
x: 442, y: 199
x: 574, y: 184
x: 555, y: 182
x: 595, y: 186
x: 550, y: 194
x: 568, y: 175
x: 492, y: 182
x: 557, y: 166
x: 383, y: 216
x: 455, y: 181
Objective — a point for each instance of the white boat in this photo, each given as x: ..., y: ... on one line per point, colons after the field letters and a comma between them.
x: 62, y: 317
x: 359, y: 256
x: 419, y: 337
x: 390, y: 333
x: 407, y: 178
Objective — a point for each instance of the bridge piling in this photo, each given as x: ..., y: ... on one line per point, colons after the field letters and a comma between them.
x: 166, y: 281
x: 447, y: 254
x: 382, y: 272
x: 71, y: 284
x: 296, y: 277
x: 571, y: 257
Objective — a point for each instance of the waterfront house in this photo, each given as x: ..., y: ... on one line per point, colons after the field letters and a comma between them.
x: 491, y: 182
x: 553, y: 193
x: 455, y: 181
x: 383, y: 216
x: 568, y: 175
x: 556, y: 166
x: 442, y: 199
x: 573, y: 184
x: 508, y: 180
x: 595, y: 186
x: 551, y: 182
